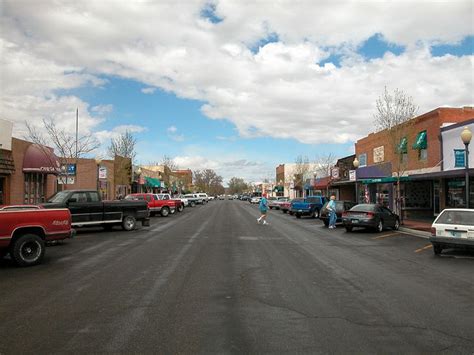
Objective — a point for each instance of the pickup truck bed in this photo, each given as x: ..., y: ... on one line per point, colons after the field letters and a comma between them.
x: 23, y: 233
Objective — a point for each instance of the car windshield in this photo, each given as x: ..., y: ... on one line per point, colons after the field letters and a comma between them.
x: 463, y: 218
x: 363, y: 208
x: 58, y: 197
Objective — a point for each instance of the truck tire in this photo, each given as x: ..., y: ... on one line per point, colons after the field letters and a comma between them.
x: 165, y: 211
x: 27, y: 250
x: 129, y: 222
x: 437, y: 249
x: 180, y: 208
x: 192, y: 203
x: 298, y: 215
x: 348, y: 229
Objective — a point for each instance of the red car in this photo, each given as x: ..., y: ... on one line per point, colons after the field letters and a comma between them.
x: 156, y: 205
x: 24, y: 231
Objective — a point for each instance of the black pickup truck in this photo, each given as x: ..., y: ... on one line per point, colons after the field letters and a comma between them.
x: 88, y: 209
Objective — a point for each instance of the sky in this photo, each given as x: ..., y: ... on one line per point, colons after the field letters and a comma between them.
x: 234, y: 86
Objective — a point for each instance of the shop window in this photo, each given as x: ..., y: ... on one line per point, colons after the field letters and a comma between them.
x: 362, y: 160
x: 418, y: 194
x: 404, y: 158
x: 422, y: 154
x: 35, y: 188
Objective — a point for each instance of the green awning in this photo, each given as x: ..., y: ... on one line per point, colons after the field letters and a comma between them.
x: 421, y: 141
x: 152, y: 182
x: 402, y: 147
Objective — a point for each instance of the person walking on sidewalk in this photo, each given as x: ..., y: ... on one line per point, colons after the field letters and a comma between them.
x: 332, y: 212
x: 263, y: 206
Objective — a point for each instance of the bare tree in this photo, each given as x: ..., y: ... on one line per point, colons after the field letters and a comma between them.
x: 64, y: 145
x: 208, y: 181
x: 323, y: 165
x: 302, y: 167
x: 169, y: 162
x: 237, y: 185
x: 123, y: 145
x: 394, y: 112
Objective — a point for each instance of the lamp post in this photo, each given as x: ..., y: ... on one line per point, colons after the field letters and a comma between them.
x: 466, y: 136
x: 356, y: 164
x: 98, y: 161
x: 139, y: 172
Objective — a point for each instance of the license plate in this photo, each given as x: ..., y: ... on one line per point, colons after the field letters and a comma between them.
x: 455, y: 234
x: 300, y: 210
x: 355, y: 221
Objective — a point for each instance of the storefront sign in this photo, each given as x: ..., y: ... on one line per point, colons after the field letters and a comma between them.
x: 379, y: 154
x: 69, y: 169
x: 459, y: 158
x: 352, y: 175
x: 335, y: 173
x: 102, y: 172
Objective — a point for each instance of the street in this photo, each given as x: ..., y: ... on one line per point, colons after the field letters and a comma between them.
x: 212, y: 280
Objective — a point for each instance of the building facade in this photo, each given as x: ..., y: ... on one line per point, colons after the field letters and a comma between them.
x: 413, y: 163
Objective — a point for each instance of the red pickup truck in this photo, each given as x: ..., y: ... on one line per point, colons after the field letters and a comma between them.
x: 156, y: 205
x: 23, y: 232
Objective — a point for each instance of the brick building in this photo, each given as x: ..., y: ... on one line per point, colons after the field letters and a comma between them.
x: 181, y: 180
x: 420, y: 157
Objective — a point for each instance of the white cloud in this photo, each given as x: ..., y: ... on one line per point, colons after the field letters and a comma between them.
x: 102, y: 109
x: 172, y: 129
x: 148, y: 90
x: 105, y: 135
x: 278, y: 90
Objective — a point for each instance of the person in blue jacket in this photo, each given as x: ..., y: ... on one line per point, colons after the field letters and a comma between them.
x: 332, y: 212
x: 263, y: 206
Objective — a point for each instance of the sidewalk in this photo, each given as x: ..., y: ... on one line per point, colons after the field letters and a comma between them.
x: 419, y: 228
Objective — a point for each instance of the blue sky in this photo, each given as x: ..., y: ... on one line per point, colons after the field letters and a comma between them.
x: 235, y: 87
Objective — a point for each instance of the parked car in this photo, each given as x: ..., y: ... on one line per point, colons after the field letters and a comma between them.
x: 279, y: 201
x: 155, y: 204
x: 453, y: 228
x: 194, y: 199
x: 179, y: 202
x: 203, y: 197
x: 88, y: 209
x: 183, y: 199
x: 271, y: 202
x: 309, y: 206
x: 255, y: 199
x: 24, y: 232
x: 285, y: 206
x: 370, y: 215
x: 341, y: 207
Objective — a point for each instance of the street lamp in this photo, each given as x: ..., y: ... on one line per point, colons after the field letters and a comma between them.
x: 98, y: 161
x: 356, y: 164
x: 466, y: 136
x: 139, y: 172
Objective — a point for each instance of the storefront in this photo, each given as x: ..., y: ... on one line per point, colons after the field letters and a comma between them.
x: 38, y: 163
x: 7, y: 168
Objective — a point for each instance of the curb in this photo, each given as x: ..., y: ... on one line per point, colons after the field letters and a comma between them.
x: 415, y: 232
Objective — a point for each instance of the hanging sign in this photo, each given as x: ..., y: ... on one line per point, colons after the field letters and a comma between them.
x: 102, y: 172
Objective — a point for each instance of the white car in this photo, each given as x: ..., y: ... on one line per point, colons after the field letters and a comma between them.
x: 453, y: 228
x: 255, y: 199
x: 203, y: 197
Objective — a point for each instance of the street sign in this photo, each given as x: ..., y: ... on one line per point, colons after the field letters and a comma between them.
x: 352, y: 175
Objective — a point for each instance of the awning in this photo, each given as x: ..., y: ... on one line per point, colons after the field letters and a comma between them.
x: 374, y: 171
x: 7, y: 165
x: 321, y: 183
x: 402, y: 147
x: 152, y: 182
x: 421, y: 141
x: 40, y: 159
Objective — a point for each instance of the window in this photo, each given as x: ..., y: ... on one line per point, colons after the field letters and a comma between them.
x: 362, y: 160
x: 93, y: 197
x: 422, y: 154
x: 79, y: 197
x: 404, y: 158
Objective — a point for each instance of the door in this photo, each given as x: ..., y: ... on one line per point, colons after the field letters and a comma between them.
x: 95, y: 207
x: 436, y: 197
x: 388, y: 217
x: 78, y: 206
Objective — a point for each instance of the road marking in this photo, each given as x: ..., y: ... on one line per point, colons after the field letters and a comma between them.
x: 387, y: 235
x: 424, y: 248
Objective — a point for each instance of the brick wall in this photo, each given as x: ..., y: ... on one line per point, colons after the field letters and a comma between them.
x: 431, y: 122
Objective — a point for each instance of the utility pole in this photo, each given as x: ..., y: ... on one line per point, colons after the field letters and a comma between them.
x: 77, y: 129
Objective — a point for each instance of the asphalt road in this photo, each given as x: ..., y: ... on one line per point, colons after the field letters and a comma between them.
x: 211, y: 280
